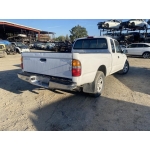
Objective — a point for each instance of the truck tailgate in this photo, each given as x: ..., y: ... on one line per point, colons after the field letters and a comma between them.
x: 53, y: 64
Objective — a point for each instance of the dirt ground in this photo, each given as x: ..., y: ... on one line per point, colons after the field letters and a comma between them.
x: 124, y: 104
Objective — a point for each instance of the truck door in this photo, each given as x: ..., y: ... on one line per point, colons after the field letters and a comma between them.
x: 121, y: 58
x: 114, y: 57
x: 118, y: 59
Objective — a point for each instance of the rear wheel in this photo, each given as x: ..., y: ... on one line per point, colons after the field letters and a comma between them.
x: 125, y: 68
x: 146, y: 55
x: 98, y: 84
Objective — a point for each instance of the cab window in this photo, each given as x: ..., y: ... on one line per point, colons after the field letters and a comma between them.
x: 118, y: 48
x: 112, y: 45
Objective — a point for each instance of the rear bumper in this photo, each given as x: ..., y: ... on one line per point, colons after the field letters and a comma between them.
x: 46, y: 81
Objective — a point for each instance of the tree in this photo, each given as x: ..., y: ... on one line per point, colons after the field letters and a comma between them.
x: 77, y: 32
x: 67, y: 38
x: 60, y: 38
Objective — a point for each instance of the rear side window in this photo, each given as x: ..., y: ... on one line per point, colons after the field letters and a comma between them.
x: 144, y: 45
x: 99, y: 43
x: 112, y: 46
x: 140, y: 45
x: 132, y: 46
x: 118, y: 48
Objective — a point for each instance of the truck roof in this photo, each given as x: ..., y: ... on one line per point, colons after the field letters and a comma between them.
x: 90, y: 37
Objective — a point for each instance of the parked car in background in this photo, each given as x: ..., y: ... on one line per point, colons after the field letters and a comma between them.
x: 49, y: 46
x: 131, y: 37
x: 122, y: 47
x: 20, y: 47
x: 2, y: 50
x: 31, y: 45
x: 8, y: 47
x: 140, y: 49
x: 39, y: 45
x: 135, y: 23
x: 110, y: 24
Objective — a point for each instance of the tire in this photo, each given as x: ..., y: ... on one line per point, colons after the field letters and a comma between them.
x: 146, y: 55
x: 144, y: 27
x: 98, y: 84
x: 107, y: 25
x: 125, y: 68
x: 18, y: 51
x: 133, y: 24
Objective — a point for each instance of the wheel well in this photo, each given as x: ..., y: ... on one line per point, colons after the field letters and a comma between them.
x: 146, y: 52
x: 103, y: 69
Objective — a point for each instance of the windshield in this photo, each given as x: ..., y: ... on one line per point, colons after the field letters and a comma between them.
x: 132, y: 19
x: 20, y: 44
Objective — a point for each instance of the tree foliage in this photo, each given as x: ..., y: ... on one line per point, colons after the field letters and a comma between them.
x: 77, y: 32
x: 67, y: 37
x: 60, y: 38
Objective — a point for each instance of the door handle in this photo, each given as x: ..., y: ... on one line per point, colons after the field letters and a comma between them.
x: 43, y: 59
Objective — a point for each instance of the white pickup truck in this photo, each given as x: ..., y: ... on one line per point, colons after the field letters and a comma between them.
x: 85, y: 67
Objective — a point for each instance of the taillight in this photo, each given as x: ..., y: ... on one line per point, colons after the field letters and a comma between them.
x: 76, y: 68
x: 21, y: 63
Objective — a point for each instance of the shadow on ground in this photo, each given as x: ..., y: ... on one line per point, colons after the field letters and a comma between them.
x: 137, y: 79
x: 9, y: 81
x: 81, y: 113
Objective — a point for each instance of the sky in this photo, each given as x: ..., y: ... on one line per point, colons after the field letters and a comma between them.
x: 61, y: 26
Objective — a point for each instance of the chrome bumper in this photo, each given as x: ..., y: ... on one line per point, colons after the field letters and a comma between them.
x: 46, y: 82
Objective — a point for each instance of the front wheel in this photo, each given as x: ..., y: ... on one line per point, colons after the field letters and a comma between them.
x: 98, y: 84
x: 125, y: 68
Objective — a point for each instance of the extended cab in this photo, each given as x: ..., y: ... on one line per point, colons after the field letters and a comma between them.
x: 85, y: 67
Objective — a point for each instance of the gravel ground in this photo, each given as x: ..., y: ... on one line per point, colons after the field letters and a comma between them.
x: 124, y: 104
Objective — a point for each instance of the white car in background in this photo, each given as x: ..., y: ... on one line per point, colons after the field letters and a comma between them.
x: 110, y: 24
x: 134, y: 23
x: 20, y: 47
x: 141, y: 49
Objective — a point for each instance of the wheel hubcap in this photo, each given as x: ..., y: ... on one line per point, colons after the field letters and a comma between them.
x: 99, y: 84
x: 146, y: 55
